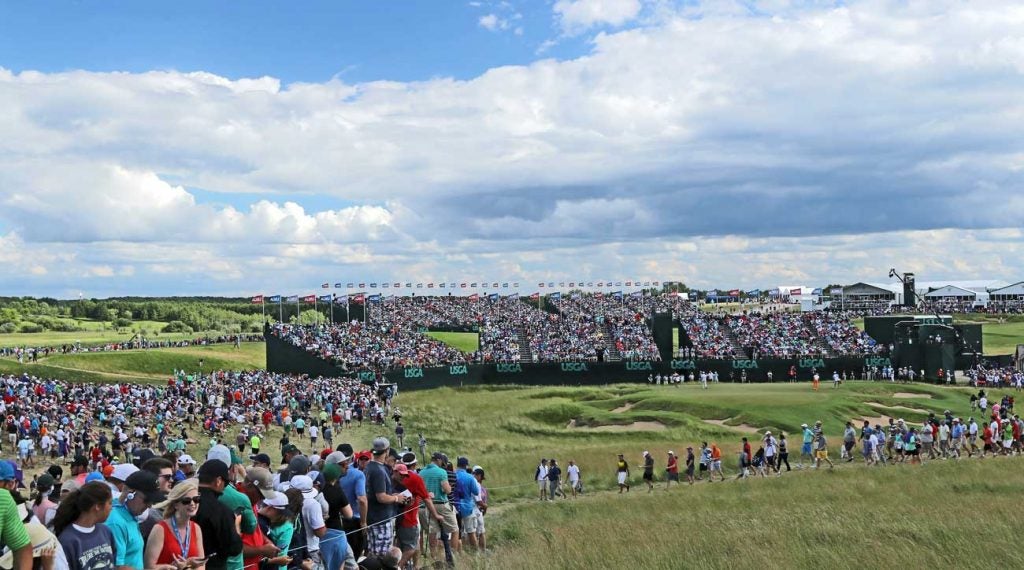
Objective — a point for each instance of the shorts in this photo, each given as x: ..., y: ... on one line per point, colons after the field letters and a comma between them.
x: 621, y: 477
x: 689, y: 470
x: 806, y: 449
x: 408, y: 537
x: 448, y: 524
x: 1007, y: 443
x: 716, y: 465
x: 648, y: 476
x: 300, y: 431
x: 474, y: 523
x: 673, y: 476
x: 543, y: 484
x: 380, y: 537
x: 703, y: 468
x: 821, y: 454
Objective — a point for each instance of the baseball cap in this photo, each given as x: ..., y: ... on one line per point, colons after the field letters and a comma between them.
x: 346, y: 448
x: 146, y: 483
x: 303, y: 483
x: 380, y: 445
x: 335, y: 457
x: 331, y: 473
x: 463, y: 462
x: 261, y: 478
x: 290, y: 448
x: 186, y: 459
x: 438, y: 456
x: 477, y: 470
x: 6, y: 471
x: 220, y: 453
x: 260, y: 458
x: 92, y: 476
x: 409, y: 458
x: 278, y: 501
x: 123, y: 471
x: 671, y: 453
x: 803, y: 425
x: 401, y: 469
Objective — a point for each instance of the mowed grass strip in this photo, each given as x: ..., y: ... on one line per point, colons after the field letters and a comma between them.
x: 463, y: 341
x: 944, y: 514
x: 162, y: 362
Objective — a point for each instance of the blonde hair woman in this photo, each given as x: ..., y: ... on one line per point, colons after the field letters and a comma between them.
x: 176, y: 540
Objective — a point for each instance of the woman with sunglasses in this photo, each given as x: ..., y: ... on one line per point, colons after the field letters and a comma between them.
x: 176, y: 540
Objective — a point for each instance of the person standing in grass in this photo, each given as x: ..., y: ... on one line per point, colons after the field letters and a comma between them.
x: 849, y: 440
x: 745, y: 459
x: 554, y: 479
x: 541, y: 476
x: 672, y: 470
x: 783, y: 454
x: 716, y: 463
x: 705, y: 460
x: 573, y: 473
x: 821, y: 451
x: 805, y: 451
x: 649, y: 471
x: 622, y: 473
x: 771, y: 447
x: 689, y: 465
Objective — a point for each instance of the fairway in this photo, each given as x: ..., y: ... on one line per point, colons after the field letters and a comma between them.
x: 464, y: 341
x: 142, y: 365
x: 94, y: 336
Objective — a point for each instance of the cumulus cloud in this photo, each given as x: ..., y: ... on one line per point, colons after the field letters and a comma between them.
x: 579, y: 15
x: 771, y: 122
x: 493, y: 22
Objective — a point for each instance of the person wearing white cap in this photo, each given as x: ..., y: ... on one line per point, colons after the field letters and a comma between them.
x: 771, y: 447
x: 312, y: 515
x: 186, y: 468
x: 119, y: 476
x: 672, y: 470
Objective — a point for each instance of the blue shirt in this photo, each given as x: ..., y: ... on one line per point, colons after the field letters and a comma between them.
x: 354, y: 485
x: 467, y: 487
x: 127, y: 536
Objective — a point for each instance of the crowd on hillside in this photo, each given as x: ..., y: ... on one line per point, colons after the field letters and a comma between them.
x: 144, y: 492
x: 33, y: 353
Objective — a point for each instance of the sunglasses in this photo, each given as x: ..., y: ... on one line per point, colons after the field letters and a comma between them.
x: 187, y: 500
x: 167, y: 477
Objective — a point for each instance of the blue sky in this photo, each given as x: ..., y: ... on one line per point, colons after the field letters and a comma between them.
x: 311, y: 41
x: 235, y: 148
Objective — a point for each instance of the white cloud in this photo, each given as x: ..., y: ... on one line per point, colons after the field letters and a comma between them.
x: 579, y: 15
x: 493, y: 22
x: 759, y: 135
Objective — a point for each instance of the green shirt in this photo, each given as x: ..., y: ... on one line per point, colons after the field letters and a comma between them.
x: 235, y: 499
x: 12, y: 530
x: 433, y: 476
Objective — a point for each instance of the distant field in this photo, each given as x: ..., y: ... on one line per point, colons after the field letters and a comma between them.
x: 142, y: 365
x: 94, y: 336
x: 466, y: 342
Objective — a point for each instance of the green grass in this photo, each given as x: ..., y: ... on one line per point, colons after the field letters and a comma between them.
x: 142, y: 365
x: 854, y: 516
x: 464, y: 341
x: 94, y: 336
x: 1002, y: 338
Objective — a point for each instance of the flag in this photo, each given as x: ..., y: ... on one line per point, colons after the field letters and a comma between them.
x: 572, y: 284
x: 274, y: 299
x: 492, y: 297
x: 375, y: 298
x: 362, y: 285
x: 293, y: 299
x: 837, y: 290
x: 629, y: 283
x: 816, y: 291
x: 337, y: 285
x: 754, y: 293
x: 473, y: 285
x: 325, y: 286
x: 713, y: 293
x: 341, y: 299
x: 617, y: 283
x: 463, y: 285
x: 617, y: 295
x: 600, y: 283
x: 511, y: 296
x: 655, y: 283
x: 358, y: 299
x: 540, y: 284
x: 504, y: 285
x: 257, y: 300
x: 350, y: 285
x: 734, y: 293
x: 515, y: 285
x: 408, y: 285
x: 474, y: 297
x: 373, y: 285
x: 419, y: 285
x: 494, y: 285
x: 636, y: 294
x: 430, y: 285
x: 397, y: 285
x: 451, y: 285
x: 385, y: 285
x: 561, y: 284
x: 535, y: 296
x: 796, y: 291
x: 575, y: 295
x: 599, y: 295
x: 590, y: 283
x: 309, y: 299
x: 557, y: 295
x: 325, y: 298
x: 551, y: 283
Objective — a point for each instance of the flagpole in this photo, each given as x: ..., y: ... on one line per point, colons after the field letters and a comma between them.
x: 263, y: 309
x: 332, y: 308
x: 315, y: 313
x: 280, y: 309
x: 298, y: 308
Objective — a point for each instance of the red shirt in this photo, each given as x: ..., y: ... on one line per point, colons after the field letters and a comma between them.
x: 673, y: 464
x: 414, y: 483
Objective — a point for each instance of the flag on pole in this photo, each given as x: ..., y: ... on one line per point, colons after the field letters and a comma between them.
x: 557, y: 295
x: 441, y: 285
x: 293, y: 299
x: 551, y: 283
x: 274, y: 299
x: 337, y: 285
x: 408, y: 285
x: 473, y: 285
x: 309, y: 299
x: 494, y: 285
x: 350, y: 285
x: 534, y: 296
x: 258, y: 299
x: 375, y: 298
x: 385, y: 285
x: 474, y: 297
x: 796, y: 291
x: 540, y: 284
x: 341, y: 299
x: 430, y: 285
x: 492, y: 297
x: 504, y: 285
x: 515, y: 285
x: 325, y: 298
x: 463, y: 285
x: 373, y: 285
x: 419, y: 285
x: 617, y: 295
x: 359, y: 299
x: 362, y: 285
x: 325, y: 286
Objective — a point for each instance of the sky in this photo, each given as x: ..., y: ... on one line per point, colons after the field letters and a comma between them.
x: 239, y: 148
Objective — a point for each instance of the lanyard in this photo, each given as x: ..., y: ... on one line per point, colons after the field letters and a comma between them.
x: 188, y: 536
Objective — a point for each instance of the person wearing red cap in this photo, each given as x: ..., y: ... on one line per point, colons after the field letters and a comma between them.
x: 407, y: 528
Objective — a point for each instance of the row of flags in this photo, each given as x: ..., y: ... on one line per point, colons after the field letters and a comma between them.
x: 377, y: 297
x: 491, y: 284
x: 797, y: 291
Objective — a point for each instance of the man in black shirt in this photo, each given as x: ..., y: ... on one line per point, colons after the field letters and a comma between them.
x: 220, y: 537
x: 334, y: 549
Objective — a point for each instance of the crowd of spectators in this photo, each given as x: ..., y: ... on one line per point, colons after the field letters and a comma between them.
x: 32, y: 353
x: 840, y: 334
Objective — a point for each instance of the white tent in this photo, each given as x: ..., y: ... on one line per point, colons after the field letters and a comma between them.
x: 951, y: 292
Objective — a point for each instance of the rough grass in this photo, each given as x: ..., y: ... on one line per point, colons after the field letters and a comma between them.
x: 1001, y: 338
x: 93, y: 335
x: 141, y: 365
x: 463, y: 341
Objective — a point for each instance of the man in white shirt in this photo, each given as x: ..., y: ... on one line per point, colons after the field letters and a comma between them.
x: 573, y: 473
x: 542, y: 479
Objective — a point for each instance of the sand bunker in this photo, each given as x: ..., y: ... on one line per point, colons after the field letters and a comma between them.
x: 881, y: 405
x: 741, y: 427
x: 635, y: 426
x: 911, y: 395
x: 624, y: 408
x: 880, y: 420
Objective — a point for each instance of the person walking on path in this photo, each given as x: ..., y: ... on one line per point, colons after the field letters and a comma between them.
x: 622, y: 473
